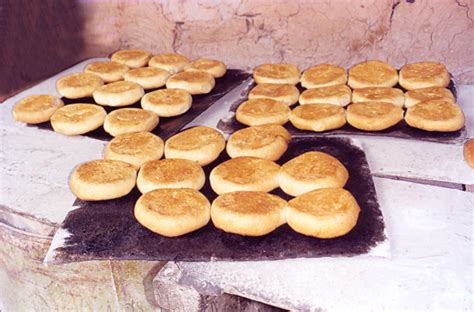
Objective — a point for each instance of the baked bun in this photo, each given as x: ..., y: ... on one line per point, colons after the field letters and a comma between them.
x: 435, y: 115
x: 286, y: 93
x: 167, y: 102
x: 258, y: 112
x: 337, y: 95
x: 36, y: 109
x: 323, y: 75
x: 277, y: 73
x: 469, y: 152
x: 379, y: 94
x: 78, y: 85
x: 120, y: 93
x: 127, y: 120
x: 135, y: 148
x: 324, y: 213
x: 102, y: 179
x: 171, y: 62
x: 244, y: 174
x: 372, y: 74
x: 148, y: 77
x: 248, y: 213
x: 75, y: 119
x: 413, y: 97
x: 213, y: 67
x: 173, y: 212
x: 170, y: 173
x: 109, y: 71
x: 132, y: 58
x: 311, y: 171
x: 200, y: 144
x: 373, y: 116
x: 424, y: 75
x: 265, y: 141
x: 193, y: 82
x: 318, y: 117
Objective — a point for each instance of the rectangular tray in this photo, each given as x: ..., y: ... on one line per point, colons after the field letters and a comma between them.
x: 108, y: 229
x: 171, y: 125
x: 400, y: 130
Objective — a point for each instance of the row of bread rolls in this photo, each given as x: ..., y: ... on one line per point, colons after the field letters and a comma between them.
x: 430, y: 115
x: 366, y: 74
x: 171, y: 204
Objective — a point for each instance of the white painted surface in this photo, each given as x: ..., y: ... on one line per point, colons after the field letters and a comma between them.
x: 431, y: 267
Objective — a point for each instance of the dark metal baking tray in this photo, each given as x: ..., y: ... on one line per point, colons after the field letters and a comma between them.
x: 108, y: 229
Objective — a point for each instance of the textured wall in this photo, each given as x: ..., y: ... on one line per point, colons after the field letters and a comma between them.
x: 46, y: 36
x: 248, y: 33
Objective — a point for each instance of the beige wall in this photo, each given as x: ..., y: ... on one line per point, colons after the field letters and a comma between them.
x: 46, y: 36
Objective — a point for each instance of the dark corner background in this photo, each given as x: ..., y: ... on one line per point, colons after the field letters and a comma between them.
x: 38, y: 38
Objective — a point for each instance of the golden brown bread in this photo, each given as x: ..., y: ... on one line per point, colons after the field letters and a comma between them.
x: 167, y: 102
x: 310, y: 171
x: 413, y: 97
x: 424, y: 75
x: 109, y: 71
x: 193, y: 82
x: 133, y: 58
x: 120, y: 93
x: 262, y: 112
x: 323, y: 75
x: 277, y: 73
x: 435, y: 115
x: 213, y: 67
x: 469, y: 152
x: 373, y: 116
x: 286, y: 93
x: 127, y: 120
x: 78, y: 85
x: 75, y: 119
x: 323, y: 213
x: 200, y: 144
x: 173, y: 212
x: 337, y: 95
x: 171, y: 62
x: 148, y: 77
x: 372, y: 74
x: 379, y: 94
x: 102, y: 179
x: 135, y: 148
x: 318, y: 117
x: 36, y: 109
x: 244, y: 174
x: 248, y: 213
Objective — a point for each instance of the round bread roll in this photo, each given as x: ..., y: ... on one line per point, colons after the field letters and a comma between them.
x: 311, y: 171
x: 318, y: 117
x: 469, y: 152
x: 248, y: 213
x: 148, y: 77
x: 379, y: 94
x: 120, y: 93
x: 373, y: 116
x: 173, y: 212
x: 35, y: 109
x: 213, y: 67
x: 286, y: 93
x: 75, y: 119
x: 102, y: 179
x: 167, y: 102
x: 78, y: 85
x: 193, y: 82
x: 323, y: 75
x: 135, y: 148
x: 413, y: 97
x: 265, y: 141
x: 244, y: 174
x: 127, y: 120
x: 277, y: 73
x: 372, y: 74
x: 424, y: 75
x: 435, y: 115
x: 132, y: 58
x: 109, y: 71
x: 324, y: 213
x: 337, y: 95
x: 170, y: 173
x: 258, y: 112
x: 200, y: 144
x: 171, y: 62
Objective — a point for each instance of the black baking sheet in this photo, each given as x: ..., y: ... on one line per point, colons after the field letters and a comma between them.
x: 171, y: 125
x: 108, y: 230
x: 400, y: 130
